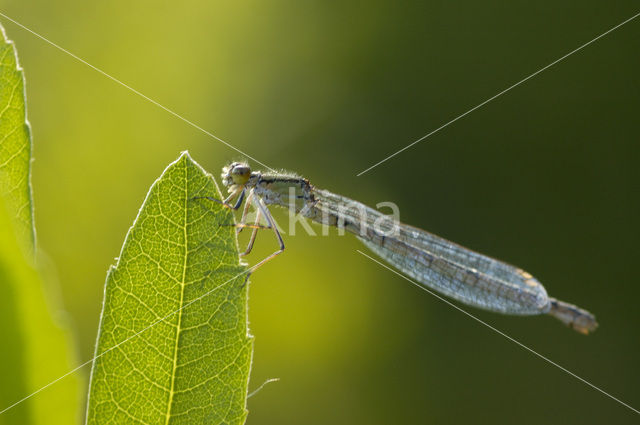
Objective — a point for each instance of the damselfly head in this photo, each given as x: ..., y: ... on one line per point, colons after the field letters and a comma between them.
x: 236, y: 173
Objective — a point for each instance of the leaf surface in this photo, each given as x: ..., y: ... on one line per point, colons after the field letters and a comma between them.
x: 36, y: 346
x: 173, y: 346
x: 15, y: 143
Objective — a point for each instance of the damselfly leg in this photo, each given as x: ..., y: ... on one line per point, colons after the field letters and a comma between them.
x: 227, y: 202
x: 261, y: 211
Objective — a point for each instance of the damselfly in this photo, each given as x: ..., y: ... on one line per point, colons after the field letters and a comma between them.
x: 434, y: 262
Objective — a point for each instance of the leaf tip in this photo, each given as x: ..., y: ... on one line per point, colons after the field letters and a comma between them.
x: 185, y: 154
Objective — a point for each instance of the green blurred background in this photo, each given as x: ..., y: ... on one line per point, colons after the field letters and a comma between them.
x: 544, y: 177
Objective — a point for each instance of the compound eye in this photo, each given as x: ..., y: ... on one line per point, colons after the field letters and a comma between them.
x: 240, y: 173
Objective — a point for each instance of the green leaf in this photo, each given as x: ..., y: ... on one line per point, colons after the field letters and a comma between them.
x: 36, y: 348
x: 173, y: 345
x: 15, y: 143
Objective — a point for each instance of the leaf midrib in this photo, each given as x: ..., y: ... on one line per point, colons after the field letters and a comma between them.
x: 182, y: 288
